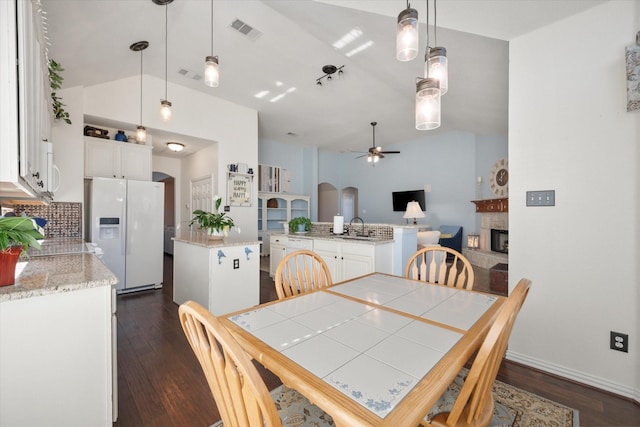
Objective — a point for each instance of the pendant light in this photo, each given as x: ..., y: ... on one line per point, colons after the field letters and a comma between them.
x: 211, y: 71
x: 165, y: 105
x: 407, y: 34
x: 141, y: 132
x: 436, y: 63
x: 427, y: 95
x: 427, y: 104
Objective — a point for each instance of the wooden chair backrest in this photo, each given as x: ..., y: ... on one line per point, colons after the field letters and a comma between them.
x: 475, y: 400
x: 241, y: 395
x: 299, y: 272
x: 430, y: 265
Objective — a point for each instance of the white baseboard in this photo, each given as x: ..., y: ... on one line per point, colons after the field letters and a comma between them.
x: 574, y: 375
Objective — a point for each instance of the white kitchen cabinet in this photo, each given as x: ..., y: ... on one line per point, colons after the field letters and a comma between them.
x: 115, y: 159
x: 348, y: 260
x: 282, y: 245
x: 56, y: 359
x: 278, y: 244
x: 25, y: 113
x: 274, y: 209
x: 222, y: 277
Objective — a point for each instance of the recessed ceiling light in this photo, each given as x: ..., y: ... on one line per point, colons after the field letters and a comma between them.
x: 261, y: 94
x: 279, y: 83
x: 291, y: 89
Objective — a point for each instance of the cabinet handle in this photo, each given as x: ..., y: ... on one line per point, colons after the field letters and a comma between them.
x: 36, y: 175
x: 40, y: 184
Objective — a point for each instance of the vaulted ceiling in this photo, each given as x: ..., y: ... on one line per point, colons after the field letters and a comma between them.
x: 295, y: 39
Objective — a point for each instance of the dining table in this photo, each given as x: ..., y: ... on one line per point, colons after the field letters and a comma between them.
x: 377, y: 350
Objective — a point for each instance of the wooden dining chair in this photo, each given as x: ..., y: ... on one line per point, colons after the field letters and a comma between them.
x: 474, y: 404
x: 299, y: 272
x: 238, y: 390
x: 430, y: 265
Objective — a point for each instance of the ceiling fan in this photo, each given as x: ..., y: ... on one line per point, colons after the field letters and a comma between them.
x: 375, y: 152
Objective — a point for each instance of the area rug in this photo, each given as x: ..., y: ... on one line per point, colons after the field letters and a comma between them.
x: 514, y: 407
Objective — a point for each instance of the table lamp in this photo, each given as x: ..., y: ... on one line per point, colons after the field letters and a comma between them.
x: 413, y: 211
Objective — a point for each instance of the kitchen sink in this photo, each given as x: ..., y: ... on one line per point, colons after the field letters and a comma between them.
x: 363, y: 238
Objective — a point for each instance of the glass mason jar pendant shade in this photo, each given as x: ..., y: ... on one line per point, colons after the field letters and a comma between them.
x: 436, y: 66
x: 211, y: 73
x: 141, y: 134
x: 165, y: 110
x: 407, y: 35
x: 427, y: 104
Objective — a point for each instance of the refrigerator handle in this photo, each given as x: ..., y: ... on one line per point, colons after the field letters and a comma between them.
x: 123, y: 228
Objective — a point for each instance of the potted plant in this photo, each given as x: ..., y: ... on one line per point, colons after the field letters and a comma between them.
x: 17, y: 233
x: 217, y: 224
x: 300, y: 224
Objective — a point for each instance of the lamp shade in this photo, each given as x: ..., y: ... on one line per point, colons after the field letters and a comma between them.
x: 413, y: 211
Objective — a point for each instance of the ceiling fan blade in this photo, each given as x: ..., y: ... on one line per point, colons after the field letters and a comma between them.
x: 362, y: 155
x: 389, y: 152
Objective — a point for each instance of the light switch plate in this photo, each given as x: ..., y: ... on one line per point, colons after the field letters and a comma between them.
x: 541, y: 198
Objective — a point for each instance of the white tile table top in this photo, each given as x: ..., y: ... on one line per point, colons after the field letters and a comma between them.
x: 370, y: 354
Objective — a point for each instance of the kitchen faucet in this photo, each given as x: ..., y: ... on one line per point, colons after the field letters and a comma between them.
x: 361, y: 220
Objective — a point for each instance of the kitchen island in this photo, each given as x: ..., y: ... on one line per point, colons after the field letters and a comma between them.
x: 56, y: 354
x: 222, y: 275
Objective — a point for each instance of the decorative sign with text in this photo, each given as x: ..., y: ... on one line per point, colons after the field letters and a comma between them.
x: 239, y: 189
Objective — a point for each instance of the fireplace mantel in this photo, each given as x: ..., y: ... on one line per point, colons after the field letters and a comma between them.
x: 492, y: 205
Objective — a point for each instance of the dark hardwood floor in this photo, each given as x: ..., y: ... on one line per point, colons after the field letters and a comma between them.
x: 160, y: 382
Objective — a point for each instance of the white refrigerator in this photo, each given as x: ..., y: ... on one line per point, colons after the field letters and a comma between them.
x: 127, y: 223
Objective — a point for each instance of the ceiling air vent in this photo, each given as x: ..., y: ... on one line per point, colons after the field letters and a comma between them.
x: 245, y: 29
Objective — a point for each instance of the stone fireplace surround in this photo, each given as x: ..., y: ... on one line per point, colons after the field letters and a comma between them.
x: 484, y: 257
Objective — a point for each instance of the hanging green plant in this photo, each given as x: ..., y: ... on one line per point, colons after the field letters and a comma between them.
x: 55, y: 81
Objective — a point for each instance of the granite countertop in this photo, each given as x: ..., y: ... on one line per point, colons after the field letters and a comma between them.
x: 45, y: 275
x: 200, y: 239
x: 338, y: 237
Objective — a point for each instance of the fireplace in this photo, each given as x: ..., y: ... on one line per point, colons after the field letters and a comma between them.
x: 500, y: 241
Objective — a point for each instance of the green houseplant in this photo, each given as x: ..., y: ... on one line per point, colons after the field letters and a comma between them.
x: 216, y: 223
x: 55, y: 82
x: 300, y: 224
x: 17, y: 234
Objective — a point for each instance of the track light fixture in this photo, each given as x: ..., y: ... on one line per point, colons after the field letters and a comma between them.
x: 329, y: 71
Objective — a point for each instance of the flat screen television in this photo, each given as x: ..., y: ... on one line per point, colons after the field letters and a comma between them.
x: 401, y: 198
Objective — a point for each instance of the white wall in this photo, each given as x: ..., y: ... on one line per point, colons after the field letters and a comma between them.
x: 232, y: 127
x: 448, y: 162
x: 569, y: 131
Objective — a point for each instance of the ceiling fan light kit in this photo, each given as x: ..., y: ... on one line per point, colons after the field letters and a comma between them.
x: 375, y: 152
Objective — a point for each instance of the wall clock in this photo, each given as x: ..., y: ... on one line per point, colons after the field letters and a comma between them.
x: 499, y: 178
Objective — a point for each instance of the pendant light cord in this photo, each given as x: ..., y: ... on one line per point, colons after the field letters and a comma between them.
x: 166, y: 31
x: 211, y: 27
x: 141, y: 88
x: 435, y: 22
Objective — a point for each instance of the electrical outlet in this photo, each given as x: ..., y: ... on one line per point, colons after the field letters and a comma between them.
x: 619, y: 342
x: 541, y: 198
x: 236, y: 263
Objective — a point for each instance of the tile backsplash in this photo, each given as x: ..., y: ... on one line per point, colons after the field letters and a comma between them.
x: 64, y: 220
